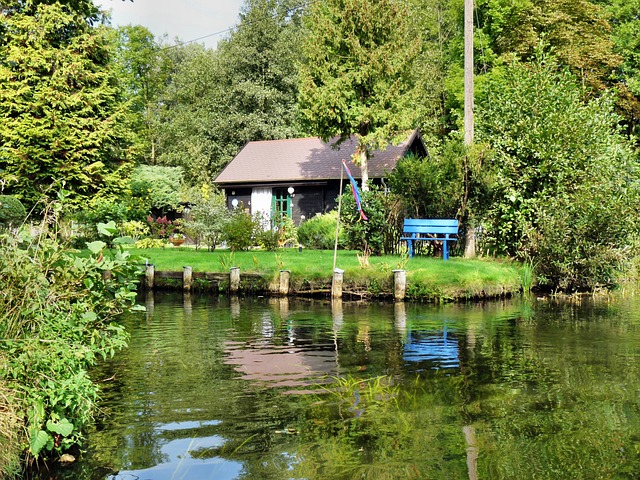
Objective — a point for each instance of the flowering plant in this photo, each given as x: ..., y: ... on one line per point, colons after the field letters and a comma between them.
x: 160, y: 227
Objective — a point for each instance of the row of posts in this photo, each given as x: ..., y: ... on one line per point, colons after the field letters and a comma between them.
x: 399, y: 281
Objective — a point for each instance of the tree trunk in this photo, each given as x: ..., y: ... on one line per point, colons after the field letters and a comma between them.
x: 470, y: 243
x: 361, y: 159
x: 364, y: 168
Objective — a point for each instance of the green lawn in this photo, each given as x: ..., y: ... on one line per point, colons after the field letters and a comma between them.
x: 426, y: 276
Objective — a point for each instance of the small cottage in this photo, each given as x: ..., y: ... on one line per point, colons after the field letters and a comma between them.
x: 300, y: 177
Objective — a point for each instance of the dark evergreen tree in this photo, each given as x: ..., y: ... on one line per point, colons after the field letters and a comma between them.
x: 60, y: 112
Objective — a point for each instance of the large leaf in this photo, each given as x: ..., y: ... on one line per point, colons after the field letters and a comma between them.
x: 64, y: 427
x: 96, y: 247
x: 108, y: 229
x: 38, y: 441
x: 123, y: 241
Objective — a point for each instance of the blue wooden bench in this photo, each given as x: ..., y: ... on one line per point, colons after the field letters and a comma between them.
x: 439, y: 230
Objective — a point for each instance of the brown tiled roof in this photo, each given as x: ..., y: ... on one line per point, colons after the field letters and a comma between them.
x: 300, y: 159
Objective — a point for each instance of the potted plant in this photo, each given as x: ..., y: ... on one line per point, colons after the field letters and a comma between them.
x: 177, y: 239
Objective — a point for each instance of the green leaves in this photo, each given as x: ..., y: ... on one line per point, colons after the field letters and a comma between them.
x: 39, y: 440
x: 63, y: 427
x: 59, y: 109
x: 96, y: 247
x: 564, y: 176
x: 108, y: 229
x: 59, y: 319
x: 356, y: 76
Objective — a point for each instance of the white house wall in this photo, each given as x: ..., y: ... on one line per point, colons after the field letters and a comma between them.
x: 261, y: 198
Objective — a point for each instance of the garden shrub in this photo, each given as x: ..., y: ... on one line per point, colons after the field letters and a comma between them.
x: 584, y: 244
x: 380, y: 233
x: 206, y: 217
x: 430, y: 188
x: 286, y: 230
x: 160, y: 227
x: 134, y: 229
x: 319, y: 232
x: 12, y: 212
x: 239, y: 231
x: 150, y: 243
x: 268, y: 239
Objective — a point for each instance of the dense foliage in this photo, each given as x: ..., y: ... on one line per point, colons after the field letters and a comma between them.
x: 207, y: 216
x: 381, y: 232
x: 12, y: 212
x: 319, y: 232
x: 58, y: 318
x: 356, y: 73
x: 239, y: 232
x: 59, y: 104
x: 566, y: 181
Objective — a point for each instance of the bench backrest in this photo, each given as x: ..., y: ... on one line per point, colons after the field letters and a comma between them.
x: 435, y: 226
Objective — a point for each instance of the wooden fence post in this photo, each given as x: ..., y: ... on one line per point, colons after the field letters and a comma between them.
x: 336, y: 284
x: 399, y: 284
x: 234, y: 280
x: 150, y: 275
x: 285, y: 276
x: 187, y: 276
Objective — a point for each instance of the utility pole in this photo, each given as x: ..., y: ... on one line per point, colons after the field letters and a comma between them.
x: 468, y: 72
x: 470, y: 239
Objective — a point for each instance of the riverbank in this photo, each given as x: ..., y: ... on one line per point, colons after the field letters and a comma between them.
x: 428, y: 279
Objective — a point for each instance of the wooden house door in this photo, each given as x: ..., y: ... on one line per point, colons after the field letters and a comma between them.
x: 281, y: 205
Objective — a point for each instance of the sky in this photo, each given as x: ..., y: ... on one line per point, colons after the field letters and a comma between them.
x: 185, y: 19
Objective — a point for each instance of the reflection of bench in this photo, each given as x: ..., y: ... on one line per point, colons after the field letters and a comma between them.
x: 437, y: 229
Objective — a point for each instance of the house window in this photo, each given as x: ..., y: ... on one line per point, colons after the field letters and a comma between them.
x: 281, y: 205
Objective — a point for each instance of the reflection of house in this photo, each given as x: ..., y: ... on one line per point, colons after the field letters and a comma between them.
x: 282, y: 366
x: 300, y: 177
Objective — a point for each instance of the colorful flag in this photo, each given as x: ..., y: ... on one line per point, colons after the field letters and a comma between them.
x: 355, y: 191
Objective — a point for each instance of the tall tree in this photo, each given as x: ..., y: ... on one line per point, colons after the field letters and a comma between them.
x: 59, y: 102
x: 356, y: 77
x: 216, y: 101
x: 189, y: 114
x: 438, y: 66
x: 625, y: 19
x: 142, y: 71
x: 260, y: 77
x: 577, y: 31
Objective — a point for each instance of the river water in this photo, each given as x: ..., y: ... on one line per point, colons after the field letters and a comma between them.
x: 219, y: 388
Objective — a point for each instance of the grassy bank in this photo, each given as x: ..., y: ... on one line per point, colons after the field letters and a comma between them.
x: 428, y: 278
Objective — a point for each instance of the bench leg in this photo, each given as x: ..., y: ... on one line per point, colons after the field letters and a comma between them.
x: 445, y: 250
x: 410, y: 246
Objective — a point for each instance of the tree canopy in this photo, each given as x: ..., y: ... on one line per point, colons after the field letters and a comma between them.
x: 356, y: 74
x: 217, y: 100
x: 60, y: 107
x: 564, y: 175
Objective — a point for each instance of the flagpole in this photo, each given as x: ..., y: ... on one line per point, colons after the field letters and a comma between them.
x: 335, y: 247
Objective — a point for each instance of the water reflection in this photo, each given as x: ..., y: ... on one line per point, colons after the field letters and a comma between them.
x: 435, y: 349
x: 212, y: 388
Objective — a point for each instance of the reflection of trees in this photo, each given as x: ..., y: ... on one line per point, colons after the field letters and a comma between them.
x: 373, y: 429
x: 552, y: 397
x: 549, y: 392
